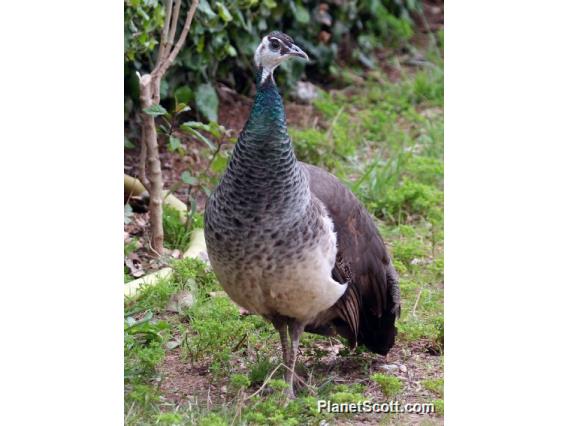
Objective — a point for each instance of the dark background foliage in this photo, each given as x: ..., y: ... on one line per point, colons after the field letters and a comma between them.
x: 225, y: 34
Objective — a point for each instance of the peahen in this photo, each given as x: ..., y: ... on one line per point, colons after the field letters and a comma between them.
x: 289, y: 242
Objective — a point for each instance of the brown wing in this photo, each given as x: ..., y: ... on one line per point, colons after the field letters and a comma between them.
x: 372, y: 300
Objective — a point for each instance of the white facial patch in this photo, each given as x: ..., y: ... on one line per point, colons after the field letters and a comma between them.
x: 267, y: 59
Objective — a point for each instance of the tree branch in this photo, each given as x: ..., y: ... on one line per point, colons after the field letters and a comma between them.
x: 162, y: 67
x: 173, y: 28
x: 164, y: 38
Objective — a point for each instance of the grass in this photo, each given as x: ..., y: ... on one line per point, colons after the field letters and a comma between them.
x: 436, y: 386
x: 385, y: 141
x: 390, y: 385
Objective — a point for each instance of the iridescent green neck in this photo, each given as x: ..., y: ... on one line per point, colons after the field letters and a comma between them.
x: 267, y: 120
x: 263, y: 172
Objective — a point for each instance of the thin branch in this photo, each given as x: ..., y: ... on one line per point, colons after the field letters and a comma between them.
x: 173, y: 28
x: 416, y: 303
x: 270, y: 377
x: 265, y: 382
x: 329, y: 132
x: 295, y: 375
x: 165, y: 30
x: 162, y: 67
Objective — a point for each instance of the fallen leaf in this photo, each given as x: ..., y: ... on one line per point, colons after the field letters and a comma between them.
x: 134, y: 265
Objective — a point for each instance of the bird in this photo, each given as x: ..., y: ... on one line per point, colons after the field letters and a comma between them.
x: 289, y: 241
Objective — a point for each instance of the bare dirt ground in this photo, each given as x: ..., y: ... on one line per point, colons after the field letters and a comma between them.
x: 185, y: 383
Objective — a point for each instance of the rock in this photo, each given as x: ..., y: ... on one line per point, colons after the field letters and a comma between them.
x: 389, y: 368
x: 179, y: 301
x: 305, y: 92
x: 243, y: 311
x: 172, y: 344
x: 403, y: 368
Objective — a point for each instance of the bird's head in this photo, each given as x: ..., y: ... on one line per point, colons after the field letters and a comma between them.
x: 274, y: 49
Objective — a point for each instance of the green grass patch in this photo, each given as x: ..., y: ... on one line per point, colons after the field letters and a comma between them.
x: 176, y: 233
x: 390, y: 385
x: 438, y: 407
x: 434, y: 385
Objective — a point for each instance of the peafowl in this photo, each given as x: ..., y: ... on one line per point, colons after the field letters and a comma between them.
x: 289, y: 242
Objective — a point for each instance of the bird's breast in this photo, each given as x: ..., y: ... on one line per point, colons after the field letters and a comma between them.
x: 280, y: 264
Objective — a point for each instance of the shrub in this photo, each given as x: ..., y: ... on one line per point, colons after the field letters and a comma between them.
x: 224, y: 35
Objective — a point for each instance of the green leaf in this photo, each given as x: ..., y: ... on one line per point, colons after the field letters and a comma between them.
x: 215, y: 129
x: 128, y: 143
x: 164, y: 87
x: 173, y: 143
x: 231, y: 51
x: 187, y: 178
x: 181, y: 107
x: 183, y: 94
x: 219, y: 164
x: 199, y: 136
x: 196, y: 125
x: 155, y: 110
x: 223, y: 12
x: 207, y: 101
x: 270, y: 4
x: 302, y: 14
x: 206, y: 8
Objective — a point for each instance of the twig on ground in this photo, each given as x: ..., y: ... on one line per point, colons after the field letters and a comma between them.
x: 416, y: 303
x: 238, y: 345
x: 310, y: 389
x: 334, y: 121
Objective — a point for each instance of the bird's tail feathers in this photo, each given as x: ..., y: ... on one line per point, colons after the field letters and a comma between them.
x: 368, y: 325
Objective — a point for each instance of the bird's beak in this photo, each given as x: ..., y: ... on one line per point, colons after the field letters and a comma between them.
x: 296, y: 51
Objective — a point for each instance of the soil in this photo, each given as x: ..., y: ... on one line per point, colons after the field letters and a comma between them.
x: 183, y: 382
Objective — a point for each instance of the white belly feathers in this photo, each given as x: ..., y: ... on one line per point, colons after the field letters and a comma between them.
x: 298, y: 289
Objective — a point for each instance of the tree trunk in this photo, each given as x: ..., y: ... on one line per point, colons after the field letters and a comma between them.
x: 142, y: 160
x: 150, y: 95
x: 154, y: 172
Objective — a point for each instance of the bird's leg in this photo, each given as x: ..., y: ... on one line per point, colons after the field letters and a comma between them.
x: 283, y: 331
x: 295, y: 329
x: 282, y: 327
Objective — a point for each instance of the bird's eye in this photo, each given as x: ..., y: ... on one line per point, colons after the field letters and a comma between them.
x: 274, y: 45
